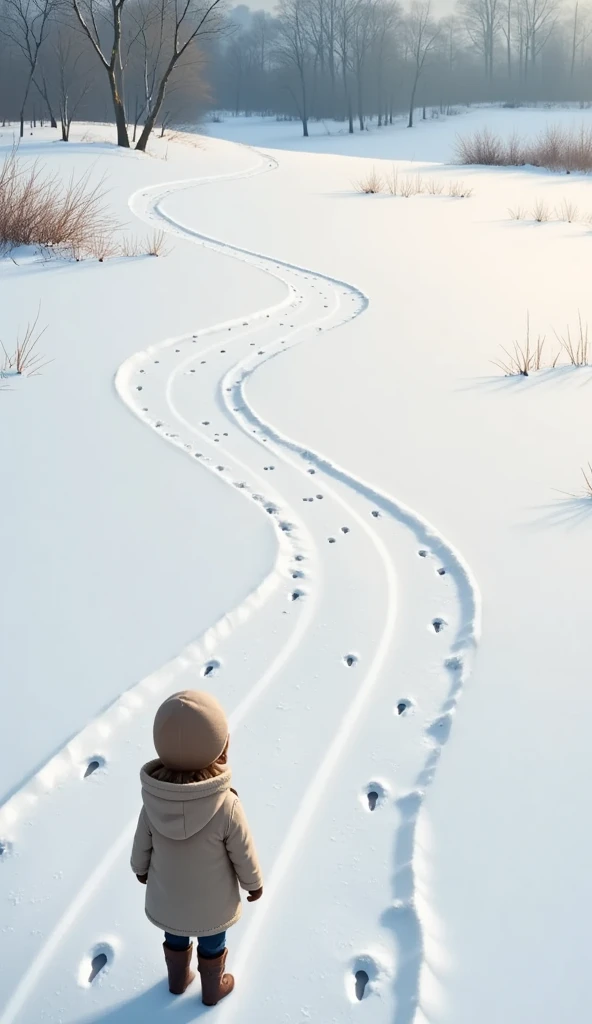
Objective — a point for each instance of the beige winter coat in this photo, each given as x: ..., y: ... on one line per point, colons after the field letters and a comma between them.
x: 194, y: 843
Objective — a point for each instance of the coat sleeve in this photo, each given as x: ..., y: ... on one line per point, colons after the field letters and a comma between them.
x: 241, y: 849
x: 142, y: 848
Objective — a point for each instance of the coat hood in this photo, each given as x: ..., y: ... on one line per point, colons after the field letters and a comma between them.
x: 180, y: 811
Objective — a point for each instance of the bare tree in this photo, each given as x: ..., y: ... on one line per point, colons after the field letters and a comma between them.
x: 26, y: 25
x: 422, y: 34
x: 72, y: 87
x: 92, y: 14
x: 343, y: 43
x: 535, y: 20
x: 185, y: 21
x: 143, y: 46
x: 506, y: 28
x: 387, y: 16
x: 481, y: 20
x: 293, y: 50
x: 364, y: 34
x: 581, y: 31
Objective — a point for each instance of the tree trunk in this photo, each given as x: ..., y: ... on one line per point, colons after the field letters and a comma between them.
x: 412, y: 102
x: 360, y: 100
x: 304, y: 106
x: 154, y: 112
x: 120, y: 118
x: 509, y: 44
x: 350, y: 113
x: 44, y: 93
x: 25, y: 98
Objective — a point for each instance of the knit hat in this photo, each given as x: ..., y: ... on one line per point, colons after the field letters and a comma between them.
x: 190, y: 731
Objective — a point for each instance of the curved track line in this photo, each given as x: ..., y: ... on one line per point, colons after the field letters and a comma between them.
x: 238, y: 407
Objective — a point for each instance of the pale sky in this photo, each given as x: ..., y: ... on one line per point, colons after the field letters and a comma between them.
x: 439, y: 6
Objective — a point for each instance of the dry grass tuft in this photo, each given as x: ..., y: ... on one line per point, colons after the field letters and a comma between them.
x: 392, y: 181
x: 586, y: 492
x: 434, y: 187
x: 576, y: 349
x: 155, y: 244
x: 524, y: 358
x: 587, y: 474
x: 151, y: 245
x: 411, y: 186
x: 568, y: 211
x: 26, y: 360
x: 458, y: 190
x: 541, y: 211
x: 371, y: 184
x: 517, y: 213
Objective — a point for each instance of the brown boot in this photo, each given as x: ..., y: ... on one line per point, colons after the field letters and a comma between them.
x: 178, y: 963
x: 214, y: 983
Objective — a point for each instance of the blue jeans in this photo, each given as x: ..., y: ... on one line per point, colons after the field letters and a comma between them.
x: 209, y: 946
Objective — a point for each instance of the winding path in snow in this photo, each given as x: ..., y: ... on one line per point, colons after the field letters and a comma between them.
x: 314, y: 651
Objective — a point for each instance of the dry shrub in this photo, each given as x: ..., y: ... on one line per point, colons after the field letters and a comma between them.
x: 482, y: 147
x: 524, y: 357
x: 43, y: 211
x: 371, y: 184
x: 541, y: 211
x: 561, y: 149
x: 557, y: 149
x: 25, y: 360
x: 577, y: 349
x: 513, y: 151
x: 517, y: 213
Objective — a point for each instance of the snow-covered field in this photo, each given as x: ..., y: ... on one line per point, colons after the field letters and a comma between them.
x: 343, y: 487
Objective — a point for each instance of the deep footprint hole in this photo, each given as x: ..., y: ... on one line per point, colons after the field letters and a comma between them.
x: 96, y: 966
x: 441, y: 571
x: 93, y: 765
x: 296, y: 595
x: 438, y: 625
x: 350, y: 660
x: 403, y: 706
x: 423, y: 553
x: 373, y: 795
x: 362, y: 980
x: 210, y: 668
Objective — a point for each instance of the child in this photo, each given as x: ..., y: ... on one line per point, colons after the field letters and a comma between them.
x: 193, y: 847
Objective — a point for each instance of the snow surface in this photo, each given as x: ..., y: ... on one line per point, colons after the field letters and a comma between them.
x: 319, y: 365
